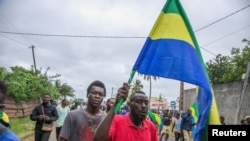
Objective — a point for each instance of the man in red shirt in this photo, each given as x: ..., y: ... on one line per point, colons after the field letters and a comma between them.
x: 131, y: 127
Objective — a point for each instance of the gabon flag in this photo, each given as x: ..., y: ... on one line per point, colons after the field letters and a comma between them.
x: 172, y: 51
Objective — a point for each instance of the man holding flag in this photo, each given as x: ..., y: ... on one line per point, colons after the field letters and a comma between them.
x: 171, y: 51
x: 132, y: 127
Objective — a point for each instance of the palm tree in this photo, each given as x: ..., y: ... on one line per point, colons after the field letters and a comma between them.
x: 137, y: 86
x: 149, y: 78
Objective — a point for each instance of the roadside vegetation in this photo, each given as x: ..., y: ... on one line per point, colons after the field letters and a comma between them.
x: 23, y: 127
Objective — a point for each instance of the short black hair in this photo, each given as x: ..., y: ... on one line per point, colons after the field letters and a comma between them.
x: 110, y: 99
x: 136, y: 92
x: 98, y: 84
x: 242, y: 121
x: 222, y: 118
x: 48, y: 94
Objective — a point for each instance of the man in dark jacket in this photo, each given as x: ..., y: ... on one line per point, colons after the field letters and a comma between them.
x: 43, y: 113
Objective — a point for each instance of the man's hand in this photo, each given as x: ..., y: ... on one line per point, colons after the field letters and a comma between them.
x: 47, y: 118
x: 122, y: 93
x: 41, y: 117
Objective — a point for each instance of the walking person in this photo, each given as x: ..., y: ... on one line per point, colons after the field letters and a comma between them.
x: 166, y: 119
x: 5, y: 133
x: 222, y: 120
x: 43, y: 113
x: 109, y: 104
x: 130, y: 127
x: 247, y: 118
x: 80, y: 124
x: 187, y: 124
x: 176, y: 129
x: 62, y: 110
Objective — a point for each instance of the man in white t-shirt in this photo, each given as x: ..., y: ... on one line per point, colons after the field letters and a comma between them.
x: 62, y: 110
x: 177, y: 126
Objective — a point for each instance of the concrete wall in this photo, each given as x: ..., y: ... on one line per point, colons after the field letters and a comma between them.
x: 227, y: 97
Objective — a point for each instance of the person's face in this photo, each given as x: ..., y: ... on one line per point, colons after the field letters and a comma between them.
x: 166, y: 112
x: 110, y: 103
x: 65, y: 103
x: 139, y: 106
x: 248, y: 120
x: 177, y: 115
x: 95, y: 96
x: 46, y: 99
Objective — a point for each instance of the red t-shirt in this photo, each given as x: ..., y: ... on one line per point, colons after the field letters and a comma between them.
x: 122, y: 129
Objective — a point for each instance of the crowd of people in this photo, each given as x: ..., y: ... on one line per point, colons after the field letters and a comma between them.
x: 94, y: 121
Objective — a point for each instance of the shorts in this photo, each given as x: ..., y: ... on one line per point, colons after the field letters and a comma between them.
x: 165, y: 129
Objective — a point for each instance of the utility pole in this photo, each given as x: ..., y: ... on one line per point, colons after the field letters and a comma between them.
x: 181, y: 96
x: 112, y: 92
x: 33, y: 53
x: 150, y: 90
x: 243, y: 91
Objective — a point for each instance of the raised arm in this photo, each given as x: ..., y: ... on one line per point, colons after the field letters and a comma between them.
x: 102, y: 132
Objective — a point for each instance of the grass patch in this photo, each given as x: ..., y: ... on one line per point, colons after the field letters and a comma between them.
x: 23, y: 127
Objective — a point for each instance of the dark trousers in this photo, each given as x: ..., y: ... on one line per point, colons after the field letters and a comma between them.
x: 41, y: 135
x: 177, y: 136
x: 58, y: 130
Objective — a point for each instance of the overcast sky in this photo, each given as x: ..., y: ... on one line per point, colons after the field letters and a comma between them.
x: 81, y: 60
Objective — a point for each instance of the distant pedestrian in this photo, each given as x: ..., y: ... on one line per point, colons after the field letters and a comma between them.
x: 187, y: 124
x: 43, y: 113
x: 109, y: 104
x: 63, y: 111
x: 243, y: 122
x: 166, y: 119
x: 247, y: 118
x: 176, y: 128
x: 124, y: 110
x: 222, y: 120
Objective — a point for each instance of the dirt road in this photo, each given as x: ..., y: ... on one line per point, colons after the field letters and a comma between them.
x: 52, y: 137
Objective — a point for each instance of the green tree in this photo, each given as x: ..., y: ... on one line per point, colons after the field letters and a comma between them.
x: 26, y: 84
x: 224, y: 69
x: 66, y: 90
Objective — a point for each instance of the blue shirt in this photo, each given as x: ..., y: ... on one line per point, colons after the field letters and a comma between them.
x: 187, y: 122
x: 7, y: 135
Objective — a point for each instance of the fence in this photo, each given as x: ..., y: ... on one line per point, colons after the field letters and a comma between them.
x: 14, y: 109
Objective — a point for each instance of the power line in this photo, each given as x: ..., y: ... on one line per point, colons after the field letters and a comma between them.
x: 222, y: 18
x: 103, y: 36
x: 13, y: 26
x: 13, y: 39
x: 226, y: 36
x: 74, y: 36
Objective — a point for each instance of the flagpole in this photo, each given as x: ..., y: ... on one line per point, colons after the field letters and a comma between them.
x: 181, y: 96
x: 118, y: 106
x: 150, y: 89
